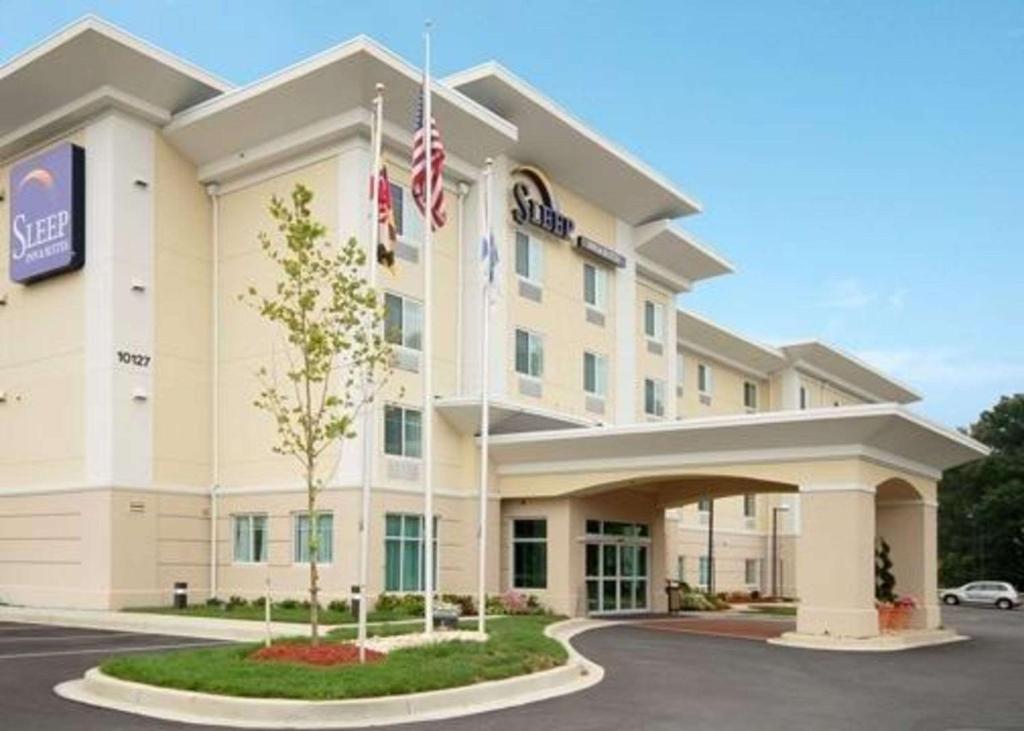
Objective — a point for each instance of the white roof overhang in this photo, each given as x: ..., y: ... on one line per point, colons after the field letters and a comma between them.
x: 85, y: 68
x: 847, y: 371
x: 571, y: 152
x: 714, y: 341
x: 678, y: 252
x: 329, y: 94
x: 883, y: 432
x: 505, y: 417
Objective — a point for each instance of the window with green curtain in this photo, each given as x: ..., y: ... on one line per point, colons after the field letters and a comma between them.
x: 250, y: 538
x: 325, y: 537
x: 403, y: 552
x: 403, y: 431
x: 529, y: 554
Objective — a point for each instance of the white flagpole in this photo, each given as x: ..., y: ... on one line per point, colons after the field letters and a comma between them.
x: 428, y: 349
x: 485, y: 402
x: 368, y: 417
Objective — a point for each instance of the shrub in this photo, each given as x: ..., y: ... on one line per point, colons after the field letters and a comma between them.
x: 514, y: 602
x: 338, y: 605
x: 235, y: 601
x: 411, y: 604
x: 214, y: 602
x: 259, y: 602
x: 696, y: 602
x: 463, y: 601
x: 288, y: 604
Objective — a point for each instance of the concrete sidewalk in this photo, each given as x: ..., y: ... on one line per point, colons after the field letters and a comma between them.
x: 235, y: 630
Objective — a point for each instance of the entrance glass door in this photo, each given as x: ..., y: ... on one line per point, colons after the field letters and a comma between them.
x: 616, y: 577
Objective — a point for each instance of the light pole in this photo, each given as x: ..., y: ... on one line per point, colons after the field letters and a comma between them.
x: 775, y: 547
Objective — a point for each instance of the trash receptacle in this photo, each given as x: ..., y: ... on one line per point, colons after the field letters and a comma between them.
x: 356, y: 598
x: 180, y: 595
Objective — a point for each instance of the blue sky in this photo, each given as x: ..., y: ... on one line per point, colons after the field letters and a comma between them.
x: 862, y: 163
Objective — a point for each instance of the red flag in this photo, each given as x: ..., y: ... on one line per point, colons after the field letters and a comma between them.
x: 388, y: 238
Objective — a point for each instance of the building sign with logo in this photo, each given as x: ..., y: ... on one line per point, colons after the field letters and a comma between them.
x: 534, y: 204
x: 47, y: 234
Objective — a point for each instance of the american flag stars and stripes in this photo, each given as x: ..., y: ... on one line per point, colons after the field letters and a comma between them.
x: 419, y: 169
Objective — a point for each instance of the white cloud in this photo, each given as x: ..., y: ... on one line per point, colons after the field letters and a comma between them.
x: 945, y: 367
x: 849, y: 293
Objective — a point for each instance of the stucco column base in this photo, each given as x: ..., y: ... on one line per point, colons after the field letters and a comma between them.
x: 889, y: 642
x: 837, y: 622
x: 928, y: 616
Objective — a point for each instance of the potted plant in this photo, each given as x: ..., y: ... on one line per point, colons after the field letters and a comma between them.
x: 900, y: 612
x: 885, y: 585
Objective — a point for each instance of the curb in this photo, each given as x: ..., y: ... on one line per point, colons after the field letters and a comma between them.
x: 577, y: 674
x: 883, y: 643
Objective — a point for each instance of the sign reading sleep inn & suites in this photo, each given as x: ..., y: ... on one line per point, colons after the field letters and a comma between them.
x: 47, y: 213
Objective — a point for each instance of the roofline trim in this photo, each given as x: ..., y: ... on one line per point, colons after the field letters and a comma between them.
x: 359, y: 44
x: 766, y: 349
x: 856, y: 361
x: 495, y: 69
x: 114, y: 32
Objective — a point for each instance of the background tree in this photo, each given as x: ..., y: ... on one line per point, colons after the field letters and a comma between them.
x: 981, y: 504
x: 331, y: 321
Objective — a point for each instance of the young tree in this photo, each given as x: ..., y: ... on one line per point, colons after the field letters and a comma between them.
x: 337, y: 357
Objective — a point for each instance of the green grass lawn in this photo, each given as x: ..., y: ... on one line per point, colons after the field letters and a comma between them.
x: 774, y: 609
x: 277, y: 614
x: 516, y: 646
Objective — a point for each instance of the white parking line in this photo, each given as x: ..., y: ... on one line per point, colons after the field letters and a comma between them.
x: 110, y: 650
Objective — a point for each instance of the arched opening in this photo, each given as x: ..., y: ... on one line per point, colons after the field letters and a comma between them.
x: 905, y: 531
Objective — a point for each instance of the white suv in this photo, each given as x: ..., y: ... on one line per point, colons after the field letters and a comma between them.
x: 998, y: 593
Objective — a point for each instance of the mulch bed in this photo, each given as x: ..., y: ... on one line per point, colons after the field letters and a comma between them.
x: 327, y: 654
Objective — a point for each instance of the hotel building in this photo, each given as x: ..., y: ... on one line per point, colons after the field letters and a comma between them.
x: 131, y: 456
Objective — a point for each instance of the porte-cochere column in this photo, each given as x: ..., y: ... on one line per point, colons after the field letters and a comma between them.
x: 836, y: 561
x: 906, y: 520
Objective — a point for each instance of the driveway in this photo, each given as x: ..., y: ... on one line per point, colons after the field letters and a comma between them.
x: 655, y: 680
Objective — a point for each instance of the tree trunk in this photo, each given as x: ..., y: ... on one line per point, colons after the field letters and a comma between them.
x: 314, y: 575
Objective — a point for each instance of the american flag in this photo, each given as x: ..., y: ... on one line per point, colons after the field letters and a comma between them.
x: 419, y: 170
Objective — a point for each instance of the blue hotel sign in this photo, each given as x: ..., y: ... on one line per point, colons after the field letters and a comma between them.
x: 47, y: 235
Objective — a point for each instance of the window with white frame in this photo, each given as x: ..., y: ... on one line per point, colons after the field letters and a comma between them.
x: 595, y: 374
x: 408, y: 223
x: 751, y: 572
x: 403, y: 431
x: 803, y: 397
x: 403, y: 321
x: 681, y: 568
x: 749, y: 506
x: 704, y: 505
x: 529, y: 554
x: 749, y: 395
x: 404, y: 549
x: 529, y: 354
x: 654, y: 397
x: 680, y: 369
x: 595, y: 286
x: 529, y: 258
x: 324, y: 537
x: 250, y: 538
x: 654, y: 320
x: 705, y: 379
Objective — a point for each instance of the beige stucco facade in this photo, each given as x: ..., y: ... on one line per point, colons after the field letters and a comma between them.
x: 119, y: 479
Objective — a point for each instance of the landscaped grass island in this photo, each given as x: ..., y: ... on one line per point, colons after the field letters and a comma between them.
x: 516, y: 645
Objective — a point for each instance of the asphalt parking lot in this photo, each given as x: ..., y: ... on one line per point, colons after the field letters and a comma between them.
x: 655, y: 680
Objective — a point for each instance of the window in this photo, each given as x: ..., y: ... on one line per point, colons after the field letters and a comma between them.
x: 680, y: 370
x: 250, y: 538
x: 654, y: 397
x: 704, y: 576
x: 750, y: 395
x: 595, y: 286
x: 408, y: 224
x: 617, y: 528
x: 654, y: 320
x: 403, y: 320
x: 681, y: 568
x: 749, y: 506
x: 529, y: 554
x: 803, y: 397
x: 324, y: 537
x: 403, y: 552
x: 403, y: 430
x: 705, y: 379
x: 529, y: 354
x: 750, y: 571
x: 529, y: 257
x: 704, y: 505
x: 595, y: 374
